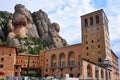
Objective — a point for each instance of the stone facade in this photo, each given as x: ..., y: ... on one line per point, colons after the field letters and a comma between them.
x: 73, y: 59
x: 62, y: 61
x: 7, y: 60
x: 115, y: 69
x: 95, y: 36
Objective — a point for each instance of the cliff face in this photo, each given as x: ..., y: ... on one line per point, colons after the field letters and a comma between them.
x: 20, y: 28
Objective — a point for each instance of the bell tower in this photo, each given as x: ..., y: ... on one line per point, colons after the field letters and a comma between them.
x: 95, y: 36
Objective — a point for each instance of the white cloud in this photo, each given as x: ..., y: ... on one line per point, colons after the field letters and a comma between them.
x: 67, y: 13
x: 113, y: 14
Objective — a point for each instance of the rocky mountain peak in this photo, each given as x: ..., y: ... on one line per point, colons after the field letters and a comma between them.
x: 24, y: 24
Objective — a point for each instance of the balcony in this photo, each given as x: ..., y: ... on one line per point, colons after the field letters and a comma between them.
x: 62, y: 65
x: 53, y: 66
x: 71, y: 64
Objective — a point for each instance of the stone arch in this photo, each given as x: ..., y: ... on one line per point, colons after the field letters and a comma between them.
x: 71, y: 58
x: 89, y: 71
x: 53, y: 60
x: 62, y: 59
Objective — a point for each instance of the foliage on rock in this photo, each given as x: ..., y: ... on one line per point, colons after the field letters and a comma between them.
x: 34, y: 45
x: 29, y: 32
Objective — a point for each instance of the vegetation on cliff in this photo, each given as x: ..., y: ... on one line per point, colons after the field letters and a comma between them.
x: 29, y: 32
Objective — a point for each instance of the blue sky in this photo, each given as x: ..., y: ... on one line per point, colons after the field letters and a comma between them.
x: 67, y: 13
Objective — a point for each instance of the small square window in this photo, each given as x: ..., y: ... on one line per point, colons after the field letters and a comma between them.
x: 92, y: 41
x: 87, y: 54
x: 2, y: 59
x: 1, y: 65
x: 33, y: 65
x: 86, y: 48
x: 86, y: 42
x: 98, y: 46
x: 9, y: 54
x: 99, y: 60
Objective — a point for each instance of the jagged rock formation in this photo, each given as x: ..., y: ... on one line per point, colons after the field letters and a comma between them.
x: 46, y: 29
x: 23, y: 20
x: 22, y: 24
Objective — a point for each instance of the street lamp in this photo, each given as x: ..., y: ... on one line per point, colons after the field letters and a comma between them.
x: 97, y: 70
x: 107, y: 64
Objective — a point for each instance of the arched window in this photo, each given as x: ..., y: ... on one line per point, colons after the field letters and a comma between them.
x: 71, y: 59
x: 53, y: 61
x: 102, y: 74
x: 89, y: 71
x: 62, y: 60
x: 97, y: 19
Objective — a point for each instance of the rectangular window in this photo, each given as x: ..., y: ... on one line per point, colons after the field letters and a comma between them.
x: 92, y: 41
x: 87, y: 54
x: 91, y: 20
x: 2, y: 59
x: 97, y: 19
x: 86, y: 42
x: 86, y: 22
x: 1, y: 65
x: 99, y: 60
x: 98, y: 46
x: 86, y: 48
x: 99, y: 52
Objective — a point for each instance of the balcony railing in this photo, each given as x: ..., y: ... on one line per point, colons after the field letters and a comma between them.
x: 62, y: 65
x: 53, y: 66
x: 72, y: 64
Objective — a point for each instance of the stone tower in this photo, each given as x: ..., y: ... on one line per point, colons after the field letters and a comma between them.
x: 95, y: 36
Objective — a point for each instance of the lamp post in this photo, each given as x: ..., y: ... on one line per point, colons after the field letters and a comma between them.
x: 97, y: 72
x: 107, y: 64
